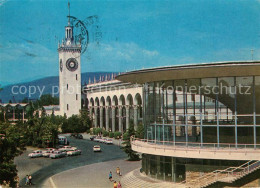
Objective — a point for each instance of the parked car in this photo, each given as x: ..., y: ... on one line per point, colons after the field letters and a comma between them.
x: 76, y: 135
x: 37, y: 153
x: 92, y: 138
x: 67, y: 148
x: 96, y: 139
x: 102, y: 140
x: 57, y: 154
x: 108, y: 141
x: 79, y: 136
x: 96, y: 148
x: 48, y: 153
x: 74, y: 152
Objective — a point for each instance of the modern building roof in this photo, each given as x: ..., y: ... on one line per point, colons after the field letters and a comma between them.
x: 203, y: 70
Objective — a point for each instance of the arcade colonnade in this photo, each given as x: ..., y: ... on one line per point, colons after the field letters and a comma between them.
x: 114, y: 110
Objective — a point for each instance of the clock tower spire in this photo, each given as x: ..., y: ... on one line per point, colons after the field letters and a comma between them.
x: 70, y: 73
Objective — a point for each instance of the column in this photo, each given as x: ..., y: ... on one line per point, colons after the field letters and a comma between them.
x: 120, y: 118
x: 101, y: 116
x: 113, y: 118
x: 127, y: 110
x: 135, y: 116
x: 96, y: 116
x: 90, y: 112
x: 201, y: 117
x: 107, y: 118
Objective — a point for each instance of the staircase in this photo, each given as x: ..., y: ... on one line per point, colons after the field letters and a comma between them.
x: 228, y: 175
x: 135, y: 179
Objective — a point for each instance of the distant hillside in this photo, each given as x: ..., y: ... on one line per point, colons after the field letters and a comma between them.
x: 44, y: 85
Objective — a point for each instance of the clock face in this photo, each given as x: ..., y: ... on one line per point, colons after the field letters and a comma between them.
x: 61, y: 65
x: 72, y: 64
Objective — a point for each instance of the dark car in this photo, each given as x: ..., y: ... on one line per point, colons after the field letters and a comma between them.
x: 76, y: 135
x: 79, y: 136
x: 92, y: 138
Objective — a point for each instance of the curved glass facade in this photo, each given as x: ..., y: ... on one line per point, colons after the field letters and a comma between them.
x: 179, y: 169
x: 220, y: 111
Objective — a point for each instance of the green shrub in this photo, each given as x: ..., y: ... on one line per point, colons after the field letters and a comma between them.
x: 117, y: 135
x: 125, y: 136
x: 111, y: 135
x: 105, y: 133
x: 92, y: 131
x: 97, y: 130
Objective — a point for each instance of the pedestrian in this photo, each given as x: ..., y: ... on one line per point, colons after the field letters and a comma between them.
x: 110, y: 176
x: 119, y: 185
x: 115, y: 184
x: 27, y: 180
x: 118, y: 170
x: 30, y: 179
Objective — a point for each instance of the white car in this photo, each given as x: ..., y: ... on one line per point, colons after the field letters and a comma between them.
x: 108, y: 141
x: 67, y: 148
x: 102, y: 140
x: 48, y: 153
x: 37, y: 153
x: 97, y: 139
x: 96, y: 148
x: 74, y: 152
x: 58, y: 154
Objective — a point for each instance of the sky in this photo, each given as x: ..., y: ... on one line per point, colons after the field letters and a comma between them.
x: 136, y: 34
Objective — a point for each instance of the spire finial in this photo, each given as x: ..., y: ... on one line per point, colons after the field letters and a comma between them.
x: 69, y: 13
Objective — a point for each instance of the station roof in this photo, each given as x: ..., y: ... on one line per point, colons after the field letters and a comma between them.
x: 192, y: 71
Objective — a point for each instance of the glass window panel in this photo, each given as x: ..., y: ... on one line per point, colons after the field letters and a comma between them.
x: 179, y: 86
x: 168, y: 169
x: 245, y: 135
x: 209, y: 91
x: 193, y: 107
x: 226, y: 97
x: 244, y: 95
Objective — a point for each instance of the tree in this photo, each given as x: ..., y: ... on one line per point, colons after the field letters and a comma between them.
x: 77, y: 123
x: 132, y: 155
x: 12, y: 143
x: 140, y: 131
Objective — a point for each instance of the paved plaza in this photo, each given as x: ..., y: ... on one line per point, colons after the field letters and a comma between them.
x: 94, y: 175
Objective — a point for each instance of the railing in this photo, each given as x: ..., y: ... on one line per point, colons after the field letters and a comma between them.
x: 227, y: 175
x: 192, y: 145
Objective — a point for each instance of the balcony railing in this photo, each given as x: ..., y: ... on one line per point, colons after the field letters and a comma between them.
x: 214, y: 146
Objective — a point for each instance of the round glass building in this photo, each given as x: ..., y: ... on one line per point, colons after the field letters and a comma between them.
x: 198, y: 118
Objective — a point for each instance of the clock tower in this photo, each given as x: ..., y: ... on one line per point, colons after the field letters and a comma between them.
x: 69, y: 73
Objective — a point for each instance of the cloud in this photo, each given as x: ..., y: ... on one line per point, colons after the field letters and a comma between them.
x: 2, y: 2
x: 26, y: 53
x: 118, y: 56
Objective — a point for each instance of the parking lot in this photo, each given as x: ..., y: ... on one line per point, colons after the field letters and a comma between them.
x: 43, y: 168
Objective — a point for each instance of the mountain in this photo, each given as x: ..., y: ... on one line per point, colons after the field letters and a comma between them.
x: 48, y: 85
